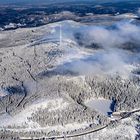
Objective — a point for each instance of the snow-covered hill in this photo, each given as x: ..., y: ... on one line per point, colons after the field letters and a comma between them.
x: 49, y: 74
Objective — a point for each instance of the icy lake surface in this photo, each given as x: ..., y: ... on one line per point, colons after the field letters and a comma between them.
x: 102, y: 105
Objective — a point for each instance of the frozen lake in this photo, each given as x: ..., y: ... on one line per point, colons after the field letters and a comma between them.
x: 104, y: 106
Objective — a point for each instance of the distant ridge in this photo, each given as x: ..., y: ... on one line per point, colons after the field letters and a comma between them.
x: 57, y: 1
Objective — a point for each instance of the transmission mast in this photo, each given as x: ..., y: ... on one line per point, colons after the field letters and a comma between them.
x: 60, y: 35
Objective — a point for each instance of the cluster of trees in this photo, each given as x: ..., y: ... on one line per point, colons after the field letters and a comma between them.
x: 74, y: 113
x: 126, y: 93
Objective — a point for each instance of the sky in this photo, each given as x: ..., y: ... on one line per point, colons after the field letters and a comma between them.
x: 49, y: 1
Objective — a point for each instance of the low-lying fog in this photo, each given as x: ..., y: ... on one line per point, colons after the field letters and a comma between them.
x: 109, y: 49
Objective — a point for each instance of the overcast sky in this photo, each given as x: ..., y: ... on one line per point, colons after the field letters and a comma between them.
x: 48, y: 1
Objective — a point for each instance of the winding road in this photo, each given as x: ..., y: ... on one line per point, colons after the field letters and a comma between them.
x: 123, y: 116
